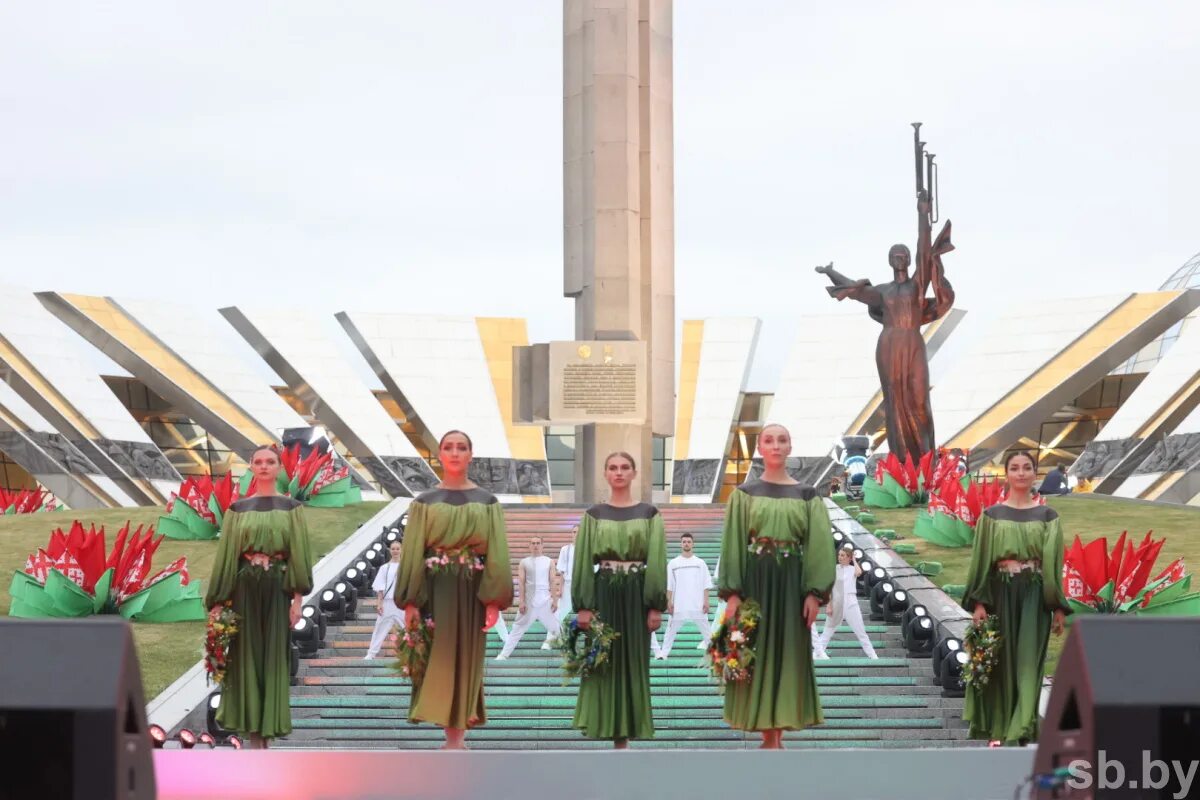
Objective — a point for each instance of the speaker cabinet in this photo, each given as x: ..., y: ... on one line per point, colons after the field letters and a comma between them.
x: 72, y: 714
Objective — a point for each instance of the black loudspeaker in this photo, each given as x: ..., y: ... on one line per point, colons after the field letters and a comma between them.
x: 1125, y: 687
x: 72, y: 715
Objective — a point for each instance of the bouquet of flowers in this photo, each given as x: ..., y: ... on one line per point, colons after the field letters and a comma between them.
x: 585, y: 653
x: 413, y: 644
x: 730, y: 655
x: 454, y: 560
x: 982, y: 645
x: 222, y: 628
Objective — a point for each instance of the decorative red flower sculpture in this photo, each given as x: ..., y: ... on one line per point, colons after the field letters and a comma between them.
x: 1096, y: 580
x: 74, y: 576
x: 25, y: 501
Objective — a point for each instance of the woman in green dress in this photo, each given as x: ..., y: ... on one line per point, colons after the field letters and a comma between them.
x: 263, y: 569
x: 626, y: 540
x: 454, y: 568
x: 1016, y: 574
x: 777, y: 549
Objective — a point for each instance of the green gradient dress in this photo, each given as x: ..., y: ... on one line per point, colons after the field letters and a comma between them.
x: 254, y: 694
x: 616, y: 705
x: 1007, y: 707
x: 451, y: 521
x: 777, y: 549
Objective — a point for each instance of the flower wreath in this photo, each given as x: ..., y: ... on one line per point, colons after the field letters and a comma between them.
x: 730, y: 654
x: 412, y: 649
x: 585, y: 652
x: 982, y: 645
x: 222, y: 628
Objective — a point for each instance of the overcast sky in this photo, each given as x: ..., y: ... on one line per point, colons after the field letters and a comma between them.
x: 407, y: 155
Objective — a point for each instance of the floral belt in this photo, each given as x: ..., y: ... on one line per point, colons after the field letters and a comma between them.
x: 265, y: 561
x: 1013, y: 566
x: 453, y: 560
x: 774, y: 547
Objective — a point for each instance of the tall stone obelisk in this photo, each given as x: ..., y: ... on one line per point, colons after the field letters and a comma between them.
x: 619, y: 208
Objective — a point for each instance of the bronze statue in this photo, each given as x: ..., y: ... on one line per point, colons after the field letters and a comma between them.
x: 902, y: 307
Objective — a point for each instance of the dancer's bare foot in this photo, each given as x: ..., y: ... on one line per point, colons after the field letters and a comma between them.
x: 772, y: 740
x: 455, y: 739
x: 620, y: 744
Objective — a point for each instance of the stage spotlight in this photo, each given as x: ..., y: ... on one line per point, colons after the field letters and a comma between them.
x: 895, y: 603
x: 293, y: 663
x: 863, y: 584
x: 952, y: 669
x: 859, y: 554
x: 318, y: 619
x: 916, y: 629
x: 838, y: 538
x: 403, y: 521
x: 334, y: 606
x: 304, y: 637
x: 206, y: 738
x: 210, y: 717
x: 391, y: 535
x: 878, y: 592
x: 187, y: 739
x: 376, y: 556
x: 235, y: 742
x: 347, y: 591
x: 356, y: 578
x: 364, y: 565
x: 158, y: 737
x: 945, y: 646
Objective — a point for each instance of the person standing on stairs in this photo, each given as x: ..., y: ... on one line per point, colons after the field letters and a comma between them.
x: 844, y: 606
x: 777, y: 549
x: 533, y: 576
x: 564, y: 566
x: 263, y: 569
x: 455, y: 569
x: 390, y: 615
x: 1015, y: 574
x: 625, y: 539
x: 688, y: 584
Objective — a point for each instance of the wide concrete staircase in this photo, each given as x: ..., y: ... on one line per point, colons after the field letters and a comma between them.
x: 342, y: 701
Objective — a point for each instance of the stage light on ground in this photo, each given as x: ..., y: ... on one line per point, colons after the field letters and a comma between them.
x: 206, y: 738
x: 945, y: 646
x: 376, y: 556
x: 879, y: 591
x: 348, y: 593
x: 235, y: 742
x: 916, y: 630
x: 858, y: 555
x: 158, y: 736
x: 894, y: 605
x: 356, y: 578
x: 862, y: 585
x: 304, y: 637
x: 952, y: 670
x: 838, y: 537
x: 318, y: 619
x: 391, y: 535
x: 187, y: 739
x: 210, y: 717
x: 293, y: 662
x: 333, y: 605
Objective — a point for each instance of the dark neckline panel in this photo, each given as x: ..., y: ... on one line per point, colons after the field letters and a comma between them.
x: 778, y: 491
x: 605, y: 512
x: 278, y: 502
x: 1003, y: 513
x: 456, y: 497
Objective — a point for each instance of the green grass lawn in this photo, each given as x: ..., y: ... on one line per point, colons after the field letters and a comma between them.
x: 1088, y: 517
x: 165, y: 650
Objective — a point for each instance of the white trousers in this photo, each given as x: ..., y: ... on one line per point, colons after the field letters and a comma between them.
x: 673, y: 627
x: 850, y: 612
x: 390, y: 618
x: 564, y: 603
x: 501, y: 628
x: 524, y: 622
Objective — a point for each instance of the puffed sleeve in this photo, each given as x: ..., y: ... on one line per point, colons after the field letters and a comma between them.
x: 299, y: 577
x: 655, y: 593
x: 496, y: 588
x: 978, y: 586
x: 1052, y: 568
x: 220, y: 586
x: 410, y: 578
x: 583, y: 576
x: 734, y: 539
x: 820, y: 557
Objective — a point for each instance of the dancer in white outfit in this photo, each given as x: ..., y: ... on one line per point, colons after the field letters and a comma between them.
x: 389, y: 614
x: 533, y: 580
x: 688, y: 585
x: 844, y: 606
x: 564, y: 567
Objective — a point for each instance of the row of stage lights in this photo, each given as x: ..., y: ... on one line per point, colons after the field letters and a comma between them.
x: 336, y: 603
x: 894, y: 605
